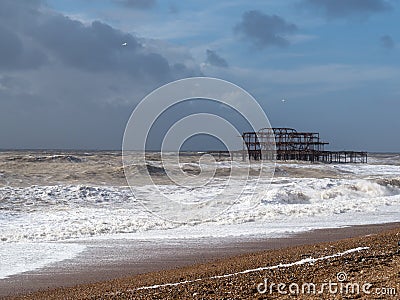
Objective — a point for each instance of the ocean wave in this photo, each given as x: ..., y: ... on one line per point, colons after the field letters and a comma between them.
x: 46, y: 158
x: 392, y: 182
x: 61, y: 212
x: 36, y: 198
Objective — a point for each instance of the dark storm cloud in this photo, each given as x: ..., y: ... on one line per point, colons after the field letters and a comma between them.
x: 40, y: 37
x: 215, y: 60
x: 16, y: 48
x: 387, y: 42
x: 98, y: 47
x: 65, y: 84
x: 264, y: 30
x: 12, y: 9
x: 15, y: 54
x: 136, y: 3
x: 344, y: 8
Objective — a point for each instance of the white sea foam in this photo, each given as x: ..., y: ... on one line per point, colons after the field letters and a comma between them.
x: 23, y: 257
x: 57, y: 213
x: 370, y: 170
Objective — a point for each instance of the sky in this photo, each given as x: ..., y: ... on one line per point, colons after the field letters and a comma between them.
x: 66, y: 81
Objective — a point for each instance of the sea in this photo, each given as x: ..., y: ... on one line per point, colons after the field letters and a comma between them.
x: 54, y: 204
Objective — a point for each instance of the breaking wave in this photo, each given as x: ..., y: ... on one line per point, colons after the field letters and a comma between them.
x: 61, y: 212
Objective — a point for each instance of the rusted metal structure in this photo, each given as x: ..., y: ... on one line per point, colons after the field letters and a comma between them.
x: 289, y: 144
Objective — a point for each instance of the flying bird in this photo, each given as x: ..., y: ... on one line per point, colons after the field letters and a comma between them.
x: 124, y: 44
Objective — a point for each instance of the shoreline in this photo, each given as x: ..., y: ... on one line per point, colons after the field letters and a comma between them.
x: 99, y: 274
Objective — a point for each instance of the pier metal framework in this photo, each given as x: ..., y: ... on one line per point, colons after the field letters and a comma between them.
x: 289, y: 144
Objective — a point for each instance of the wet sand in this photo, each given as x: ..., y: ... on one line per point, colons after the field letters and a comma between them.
x: 194, y: 265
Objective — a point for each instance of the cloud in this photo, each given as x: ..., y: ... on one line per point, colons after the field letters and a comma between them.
x: 387, y: 42
x: 264, y: 30
x: 136, y: 3
x: 215, y: 60
x: 346, y: 8
x: 66, y: 84
x: 98, y: 47
x: 45, y: 37
x: 16, y: 54
x: 17, y: 50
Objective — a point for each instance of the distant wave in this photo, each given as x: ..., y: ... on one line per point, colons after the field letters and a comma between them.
x: 47, y: 158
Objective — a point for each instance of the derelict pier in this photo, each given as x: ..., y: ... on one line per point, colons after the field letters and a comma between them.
x: 288, y: 144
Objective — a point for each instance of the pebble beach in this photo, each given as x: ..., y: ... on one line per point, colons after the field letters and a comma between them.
x: 365, y: 266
